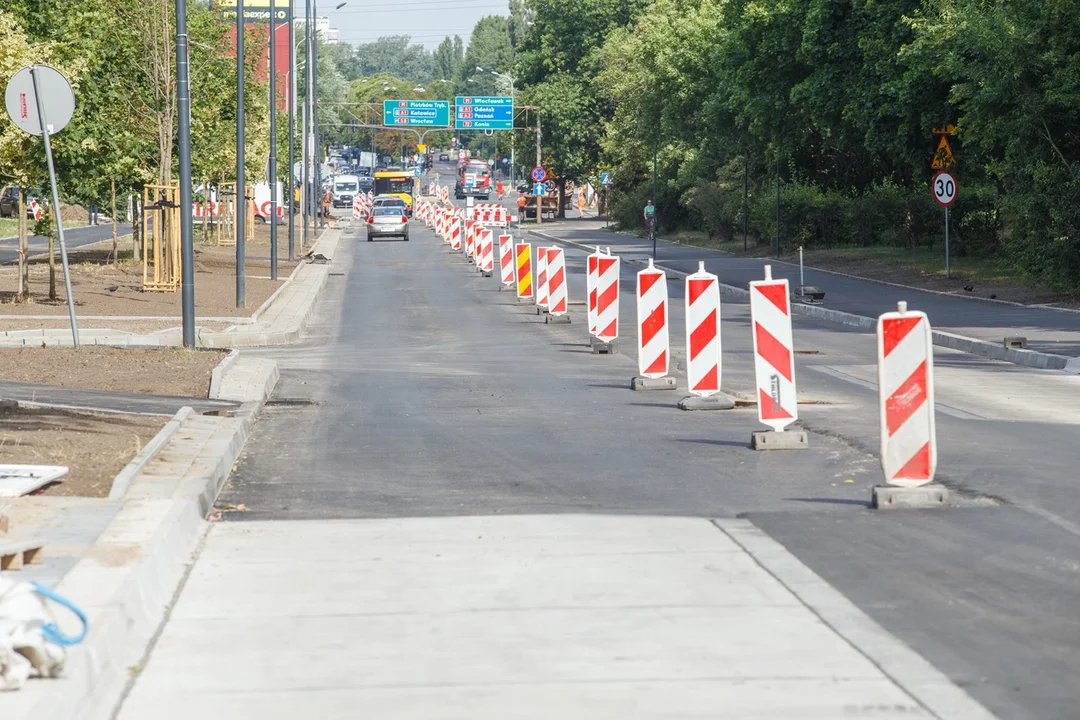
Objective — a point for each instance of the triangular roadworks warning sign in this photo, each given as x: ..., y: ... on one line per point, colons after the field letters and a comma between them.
x: 943, y: 157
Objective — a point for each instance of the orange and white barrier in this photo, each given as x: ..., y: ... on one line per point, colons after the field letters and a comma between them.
x: 541, y: 278
x: 523, y: 270
x: 486, y: 254
x: 592, y: 264
x: 774, y: 359
x: 654, y: 351
x: 556, y: 282
x: 906, y: 389
x: 607, y: 298
x: 703, y: 333
x: 506, y: 260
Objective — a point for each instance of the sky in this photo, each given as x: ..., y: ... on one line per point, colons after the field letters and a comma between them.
x: 426, y: 21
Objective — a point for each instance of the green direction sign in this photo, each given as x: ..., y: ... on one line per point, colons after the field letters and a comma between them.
x: 484, y: 113
x: 416, y: 113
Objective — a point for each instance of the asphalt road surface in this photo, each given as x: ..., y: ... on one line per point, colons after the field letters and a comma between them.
x: 73, y: 238
x: 422, y: 391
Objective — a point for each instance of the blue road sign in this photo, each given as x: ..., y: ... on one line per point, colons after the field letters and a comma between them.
x: 416, y: 113
x: 605, y: 179
x: 539, y: 174
x: 539, y: 189
x: 484, y: 113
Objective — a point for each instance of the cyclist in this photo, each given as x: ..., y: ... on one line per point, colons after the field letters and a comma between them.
x: 650, y: 218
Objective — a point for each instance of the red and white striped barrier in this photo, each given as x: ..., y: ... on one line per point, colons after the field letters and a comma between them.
x: 490, y: 214
x: 607, y: 298
x: 774, y: 359
x: 445, y: 194
x: 592, y: 264
x: 470, y: 239
x: 440, y: 224
x: 556, y: 282
x: 906, y: 388
x: 541, y: 278
x: 456, y: 231
x: 36, y: 210
x: 703, y: 333
x: 357, y: 209
x: 654, y: 350
x: 485, y: 252
x: 506, y: 260
x: 523, y: 270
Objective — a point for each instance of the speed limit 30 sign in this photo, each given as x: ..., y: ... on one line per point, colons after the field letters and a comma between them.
x: 944, y: 188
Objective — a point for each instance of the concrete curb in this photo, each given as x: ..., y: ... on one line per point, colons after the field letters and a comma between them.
x: 133, y: 469
x: 128, y: 579
x: 972, y: 346
x: 219, y: 371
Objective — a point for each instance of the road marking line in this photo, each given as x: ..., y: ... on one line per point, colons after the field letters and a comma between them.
x: 840, y: 375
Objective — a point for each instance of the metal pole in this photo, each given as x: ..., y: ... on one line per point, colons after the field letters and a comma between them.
x: 239, y: 199
x: 539, y: 198
x: 292, y: 135
x: 654, y: 202
x: 315, y: 107
x: 802, y: 282
x: 56, y: 205
x: 948, y: 269
x: 511, y: 133
x: 777, y: 203
x: 273, y: 141
x: 183, y: 109
x: 305, y: 174
x: 745, y: 195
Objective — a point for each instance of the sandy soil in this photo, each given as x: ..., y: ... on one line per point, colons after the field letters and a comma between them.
x: 94, y: 447
x: 169, y: 371
x: 102, y: 288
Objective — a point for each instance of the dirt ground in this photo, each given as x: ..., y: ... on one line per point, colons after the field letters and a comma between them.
x: 103, y: 288
x: 166, y: 371
x: 913, y: 277
x: 94, y: 447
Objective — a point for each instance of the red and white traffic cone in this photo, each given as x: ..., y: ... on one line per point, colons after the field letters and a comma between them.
x: 506, y: 262
x: 606, y: 338
x: 523, y: 272
x: 906, y: 393
x: 558, y: 299
x: 654, y: 351
x: 774, y: 365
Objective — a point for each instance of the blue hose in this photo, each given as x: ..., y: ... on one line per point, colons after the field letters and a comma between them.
x: 52, y: 631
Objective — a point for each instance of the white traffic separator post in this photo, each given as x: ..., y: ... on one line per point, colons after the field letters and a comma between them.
x: 523, y: 272
x: 487, y: 257
x: 906, y: 393
x: 506, y: 262
x: 541, y: 280
x: 607, y: 305
x: 654, y: 350
x: 592, y: 264
x: 558, y: 299
x: 774, y: 365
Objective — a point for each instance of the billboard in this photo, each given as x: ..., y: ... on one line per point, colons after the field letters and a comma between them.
x: 257, y: 11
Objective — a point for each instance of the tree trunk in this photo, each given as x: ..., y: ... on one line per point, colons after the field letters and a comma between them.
x: 52, y: 267
x: 24, y: 245
x: 114, y: 238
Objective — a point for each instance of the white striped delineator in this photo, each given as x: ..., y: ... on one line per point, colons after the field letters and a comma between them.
x: 607, y: 305
x: 906, y: 392
x: 558, y: 298
x: 653, y: 342
x: 591, y: 276
x: 774, y: 365
x: 486, y: 257
x: 541, y: 280
x: 456, y: 230
x: 703, y: 346
x: 506, y: 262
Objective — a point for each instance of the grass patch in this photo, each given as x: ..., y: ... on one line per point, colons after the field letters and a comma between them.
x: 9, y: 227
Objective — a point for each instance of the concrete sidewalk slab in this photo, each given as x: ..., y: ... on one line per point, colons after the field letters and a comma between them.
x: 569, y: 616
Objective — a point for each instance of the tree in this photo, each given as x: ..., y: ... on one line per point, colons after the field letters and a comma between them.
x: 395, y: 54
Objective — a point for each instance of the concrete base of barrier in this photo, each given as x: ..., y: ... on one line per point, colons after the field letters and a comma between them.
x: 890, y: 497
x: 487, y: 273
x: 507, y: 288
x: 525, y: 301
x: 786, y: 440
x: 557, y: 320
x: 647, y: 383
x: 541, y: 310
x: 716, y: 401
x: 602, y: 347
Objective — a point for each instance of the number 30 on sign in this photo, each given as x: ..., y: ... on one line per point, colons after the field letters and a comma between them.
x: 944, y: 187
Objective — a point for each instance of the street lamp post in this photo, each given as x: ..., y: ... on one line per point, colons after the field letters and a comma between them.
x: 292, y: 134
x: 510, y: 79
x: 183, y: 109
x: 239, y: 199
x: 273, y: 142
